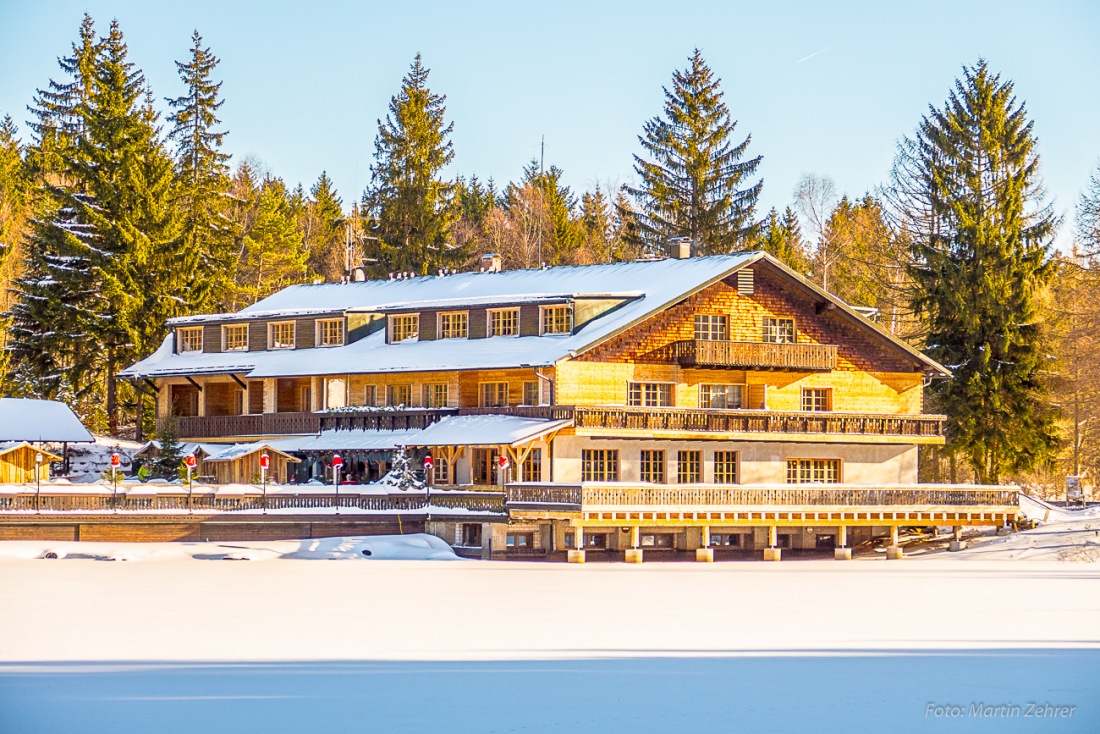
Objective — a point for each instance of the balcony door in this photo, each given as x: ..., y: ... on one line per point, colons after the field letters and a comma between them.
x: 485, y: 463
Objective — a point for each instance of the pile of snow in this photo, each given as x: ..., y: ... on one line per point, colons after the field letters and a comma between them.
x: 415, y: 547
x: 88, y: 462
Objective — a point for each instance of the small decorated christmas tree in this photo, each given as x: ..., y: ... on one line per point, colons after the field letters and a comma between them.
x: 401, y: 474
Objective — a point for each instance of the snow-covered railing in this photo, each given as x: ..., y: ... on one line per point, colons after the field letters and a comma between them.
x: 586, y: 496
x: 202, y: 501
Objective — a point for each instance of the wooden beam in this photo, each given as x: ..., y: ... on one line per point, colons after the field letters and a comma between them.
x: 196, y: 385
x: 239, y: 382
x: 153, y: 386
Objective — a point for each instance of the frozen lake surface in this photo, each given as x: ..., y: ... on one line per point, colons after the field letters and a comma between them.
x: 172, y: 642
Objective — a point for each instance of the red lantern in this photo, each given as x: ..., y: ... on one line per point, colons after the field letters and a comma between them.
x: 189, y: 460
x: 337, y: 461
x: 503, y: 461
x: 115, y: 461
x: 428, y: 462
x: 265, y: 462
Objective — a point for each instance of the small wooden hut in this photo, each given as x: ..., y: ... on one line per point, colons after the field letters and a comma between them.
x: 240, y: 464
x: 19, y: 463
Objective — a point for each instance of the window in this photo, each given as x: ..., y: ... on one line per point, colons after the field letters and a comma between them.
x: 652, y: 467
x: 504, y: 322
x: 235, y: 338
x: 330, y: 332
x: 720, y: 396
x: 404, y: 328
x: 280, y: 335
x: 454, y: 325
x: 369, y: 396
x: 592, y: 541
x: 435, y: 396
x: 817, y: 398
x: 531, y: 393
x: 469, y: 535
x: 689, y: 467
x: 336, y: 392
x: 190, y: 339
x: 399, y: 395
x: 725, y: 467
x: 557, y: 320
x: 779, y: 331
x: 532, y: 471
x: 813, y: 471
x: 658, y: 540
x: 711, y: 328
x: 599, y: 465
x: 519, y: 541
x: 725, y: 540
x: 441, y: 471
x: 494, y: 394
x: 649, y: 394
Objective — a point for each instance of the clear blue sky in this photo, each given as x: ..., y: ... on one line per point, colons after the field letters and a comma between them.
x: 827, y: 88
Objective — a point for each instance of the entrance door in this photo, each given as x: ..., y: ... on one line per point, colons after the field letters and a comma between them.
x: 485, y: 462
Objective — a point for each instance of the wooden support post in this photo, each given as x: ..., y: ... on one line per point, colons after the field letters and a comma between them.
x: 704, y: 554
x: 576, y: 554
x: 773, y: 552
x: 957, y: 543
x: 633, y: 554
x: 842, y: 552
x: 894, y: 550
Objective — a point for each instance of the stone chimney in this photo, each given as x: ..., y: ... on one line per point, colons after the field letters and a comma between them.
x: 491, y: 263
x: 679, y: 248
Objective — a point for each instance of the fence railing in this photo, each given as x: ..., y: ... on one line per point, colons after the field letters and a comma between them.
x: 757, y: 421
x: 474, y: 501
x: 757, y: 355
x: 578, y: 497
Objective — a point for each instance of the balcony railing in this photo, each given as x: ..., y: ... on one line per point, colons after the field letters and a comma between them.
x: 577, y: 497
x: 584, y: 417
x: 753, y: 355
x: 757, y: 421
x: 172, y: 501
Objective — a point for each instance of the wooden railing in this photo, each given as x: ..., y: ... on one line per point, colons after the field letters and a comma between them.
x: 577, y: 497
x: 175, y: 502
x: 757, y: 421
x: 605, y: 417
x: 756, y: 355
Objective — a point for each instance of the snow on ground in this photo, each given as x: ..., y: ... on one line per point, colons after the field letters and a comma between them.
x: 169, y: 643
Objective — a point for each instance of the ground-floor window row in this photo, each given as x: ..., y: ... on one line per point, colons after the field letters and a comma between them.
x: 602, y: 465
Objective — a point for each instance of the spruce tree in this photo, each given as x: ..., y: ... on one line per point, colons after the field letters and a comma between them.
x: 170, y: 456
x: 322, y: 223
x: 207, y: 256
x: 695, y: 180
x: 410, y: 207
x: 965, y: 193
x: 273, y: 254
x: 782, y: 237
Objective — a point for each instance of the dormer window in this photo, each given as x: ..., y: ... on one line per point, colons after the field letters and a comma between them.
x: 404, y: 328
x: 454, y: 325
x: 280, y: 335
x: 557, y: 319
x: 235, y: 338
x: 189, y: 339
x: 504, y: 322
x: 330, y: 332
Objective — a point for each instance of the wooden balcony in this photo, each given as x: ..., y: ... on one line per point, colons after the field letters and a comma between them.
x: 753, y: 355
x: 289, y: 424
x: 759, y: 423
x: 747, y: 499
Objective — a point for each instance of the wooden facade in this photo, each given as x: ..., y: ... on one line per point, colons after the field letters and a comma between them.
x: 19, y: 464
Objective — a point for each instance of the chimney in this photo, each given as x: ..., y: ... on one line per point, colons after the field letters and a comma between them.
x: 679, y: 248
x: 491, y: 263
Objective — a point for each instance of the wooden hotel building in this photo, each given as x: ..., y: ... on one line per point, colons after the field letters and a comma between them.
x: 686, y: 404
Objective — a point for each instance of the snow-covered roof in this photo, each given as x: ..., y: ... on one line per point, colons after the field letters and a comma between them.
x: 485, y: 430
x: 240, y: 450
x: 653, y: 286
x: 24, y: 419
x: 8, y: 446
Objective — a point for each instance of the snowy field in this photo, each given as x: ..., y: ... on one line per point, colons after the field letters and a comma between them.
x: 175, y: 639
